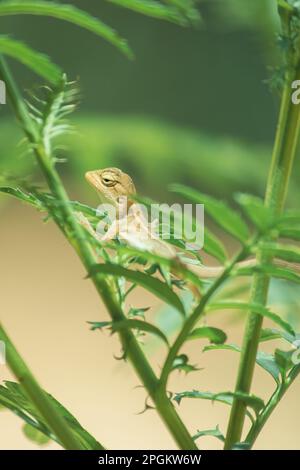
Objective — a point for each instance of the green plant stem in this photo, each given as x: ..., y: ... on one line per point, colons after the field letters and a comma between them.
x: 79, y: 240
x: 282, y: 161
x: 36, y: 394
x: 196, y: 315
x: 270, y: 406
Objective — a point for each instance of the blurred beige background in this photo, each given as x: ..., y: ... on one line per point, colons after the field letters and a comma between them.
x: 45, y: 303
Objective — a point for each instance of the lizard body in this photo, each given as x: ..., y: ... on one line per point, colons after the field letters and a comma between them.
x: 113, y: 186
x: 117, y: 188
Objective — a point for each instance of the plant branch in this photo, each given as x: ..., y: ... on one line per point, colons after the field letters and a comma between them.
x: 197, y: 313
x: 286, y: 140
x: 36, y: 394
x: 105, y: 289
x: 270, y: 406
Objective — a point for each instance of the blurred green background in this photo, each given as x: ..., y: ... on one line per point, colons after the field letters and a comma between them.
x: 192, y: 107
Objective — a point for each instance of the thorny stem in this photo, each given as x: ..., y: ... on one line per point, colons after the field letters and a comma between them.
x: 79, y: 241
x: 197, y: 313
x: 270, y: 406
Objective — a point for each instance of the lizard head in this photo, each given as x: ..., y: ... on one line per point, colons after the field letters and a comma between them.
x: 111, y: 184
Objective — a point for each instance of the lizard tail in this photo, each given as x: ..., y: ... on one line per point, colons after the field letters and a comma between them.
x: 209, y: 272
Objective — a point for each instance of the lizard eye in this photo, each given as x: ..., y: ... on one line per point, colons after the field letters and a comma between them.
x: 108, y: 182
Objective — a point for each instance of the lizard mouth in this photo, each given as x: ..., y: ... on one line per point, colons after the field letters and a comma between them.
x: 92, y: 179
x: 95, y: 182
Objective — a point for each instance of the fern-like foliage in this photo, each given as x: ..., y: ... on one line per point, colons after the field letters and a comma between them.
x: 181, y: 12
x: 49, y: 110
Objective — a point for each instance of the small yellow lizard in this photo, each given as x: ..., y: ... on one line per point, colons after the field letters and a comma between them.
x: 130, y: 224
x: 117, y: 188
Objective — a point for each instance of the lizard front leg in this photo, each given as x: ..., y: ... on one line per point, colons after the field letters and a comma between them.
x: 111, y: 233
x: 84, y: 222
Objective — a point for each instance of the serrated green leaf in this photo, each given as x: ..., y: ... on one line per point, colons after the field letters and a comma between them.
x: 131, y: 324
x: 268, y: 362
x: 222, y: 214
x: 138, y: 312
x: 252, y: 401
x: 187, y: 368
x: 153, y: 9
x: 284, y: 360
x: 188, y: 8
x: 264, y: 360
x: 14, y: 398
x: 36, y: 61
x: 271, y: 270
x: 23, y: 196
x: 214, y: 247
x: 210, y: 432
x: 203, y: 395
x: 35, y: 435
x: 255, y: 209
x: 181, y: 362
x: 215, y: 335
x: 67, y: 13
x: 289, y: 218
x: 141, y: 326
x: 154, y: 285
x: 265, y: 312
x: 292, y: 233
x: 268, y: 334
x: 157, y: 262
x: 288, y: 253
x: 98, y: 325
x: 42, y: 201
x: 220, y: 347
